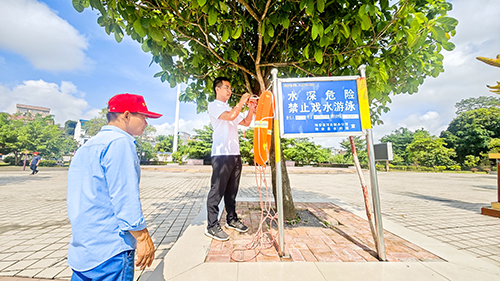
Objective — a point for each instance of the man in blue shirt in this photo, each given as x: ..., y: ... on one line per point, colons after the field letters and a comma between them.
x: 34, y: 163
x: 103, y: 197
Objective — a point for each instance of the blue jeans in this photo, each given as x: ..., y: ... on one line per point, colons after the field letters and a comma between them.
x: 119, y: 268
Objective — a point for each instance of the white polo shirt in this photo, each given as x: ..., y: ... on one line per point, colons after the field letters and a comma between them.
x: 225, y: 135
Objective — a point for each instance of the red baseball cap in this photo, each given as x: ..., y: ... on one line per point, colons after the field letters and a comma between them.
x: 131, y: 103
x: 35, y: 153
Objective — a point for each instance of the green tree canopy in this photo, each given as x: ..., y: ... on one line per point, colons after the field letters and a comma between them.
x: 246, y: 146
x: 201, y: 146
x: 69, y: 127
x: 360, y: 143
x: 400, y: 139
x: 399, y: 41
x: 305, y: 152
x: 94, y: 125
x: 476, y: 103
x: 8, y: 133
x: 429, y: 151
x: 471, y: 132
x: 494, y: 145
x: 164, y: 143
x: 27, y: 135
x: 145, y: 149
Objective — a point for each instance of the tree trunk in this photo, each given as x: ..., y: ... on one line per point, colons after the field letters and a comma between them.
x: 17, y: 158
x: 289, y: 211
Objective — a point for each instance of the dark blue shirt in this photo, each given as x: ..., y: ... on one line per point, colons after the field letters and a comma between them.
x: 35, y: 160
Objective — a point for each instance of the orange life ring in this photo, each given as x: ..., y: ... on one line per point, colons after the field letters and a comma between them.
x: 263, y: 128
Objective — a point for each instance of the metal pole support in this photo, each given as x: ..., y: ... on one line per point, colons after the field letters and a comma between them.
x: 277, y: 151
x: 374, y: 184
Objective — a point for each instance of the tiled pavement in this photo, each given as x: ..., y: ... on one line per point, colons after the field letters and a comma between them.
x: 344, y: 237
x: 34, y: 230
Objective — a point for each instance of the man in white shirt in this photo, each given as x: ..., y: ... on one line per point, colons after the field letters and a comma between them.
x: 226, y: 159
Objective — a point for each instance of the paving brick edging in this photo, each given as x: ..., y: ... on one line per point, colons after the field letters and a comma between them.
x: 347, y: 239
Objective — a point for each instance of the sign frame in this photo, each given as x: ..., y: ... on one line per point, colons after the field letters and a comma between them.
x: 280, y: 100
x: 366, y: 130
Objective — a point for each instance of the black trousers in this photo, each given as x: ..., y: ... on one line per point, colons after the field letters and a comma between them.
x: 33, y: 167
x: 226, y: 173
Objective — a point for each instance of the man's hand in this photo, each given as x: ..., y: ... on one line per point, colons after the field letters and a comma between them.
x: 252, y: 106
x: 244, y: 98
x: 145, y: 248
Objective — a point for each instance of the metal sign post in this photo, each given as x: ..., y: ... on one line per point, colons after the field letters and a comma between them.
x: 277, y: 152
x: 374, y: 183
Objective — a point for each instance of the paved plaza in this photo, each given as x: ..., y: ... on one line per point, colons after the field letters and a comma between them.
x: 35, y: 231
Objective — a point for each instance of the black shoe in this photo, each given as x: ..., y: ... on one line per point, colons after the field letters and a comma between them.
x: 216, y: 233
x: 237, y: 225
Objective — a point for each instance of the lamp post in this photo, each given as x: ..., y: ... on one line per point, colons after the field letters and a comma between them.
x: 176, y: 127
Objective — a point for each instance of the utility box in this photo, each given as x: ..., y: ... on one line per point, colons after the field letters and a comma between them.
x: 383, y: 151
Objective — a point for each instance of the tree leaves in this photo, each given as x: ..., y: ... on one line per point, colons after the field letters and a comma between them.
x: 448, y: 21
x: 306, y: 37
x: 472, y: 131
x: 80, y: 5
x: 321, y: 5
x: 237, y: 32
x: 318, y: 56
x: 212, y: 16
x: 139, y: 29
x: 155, y: 34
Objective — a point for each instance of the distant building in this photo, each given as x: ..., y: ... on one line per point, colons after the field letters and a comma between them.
x: 164, y: 156
x: 184, y: 137
x: 80, y: 135
x: 336, y: 151
x: 26, y: 110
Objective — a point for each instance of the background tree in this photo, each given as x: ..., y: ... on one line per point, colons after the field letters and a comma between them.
x: 305, y: 152
x: 29, y: 135
x: 400, y: 42
x: 400, y: 139
x: 165, y: 143
x: 145, y: 149
x: 360, y: 143
x: 69, y: 145
x: 8, y: 133
x: 429, y: 151
x: 476, y: 103
x: 471, y: 132
x: 94, y: 125
x: 471, y: 161
x: 246, y: 146
x: 69, y: 127
x: 494, y: 145
x: 201, y: 146
x: 340, y: 159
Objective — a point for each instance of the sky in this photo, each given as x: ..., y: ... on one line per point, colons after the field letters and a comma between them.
x: 55, y: 57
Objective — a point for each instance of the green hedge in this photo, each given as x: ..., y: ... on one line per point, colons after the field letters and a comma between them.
x: 154, y: 162
x: 47, y: 163
x: 435, y: 169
